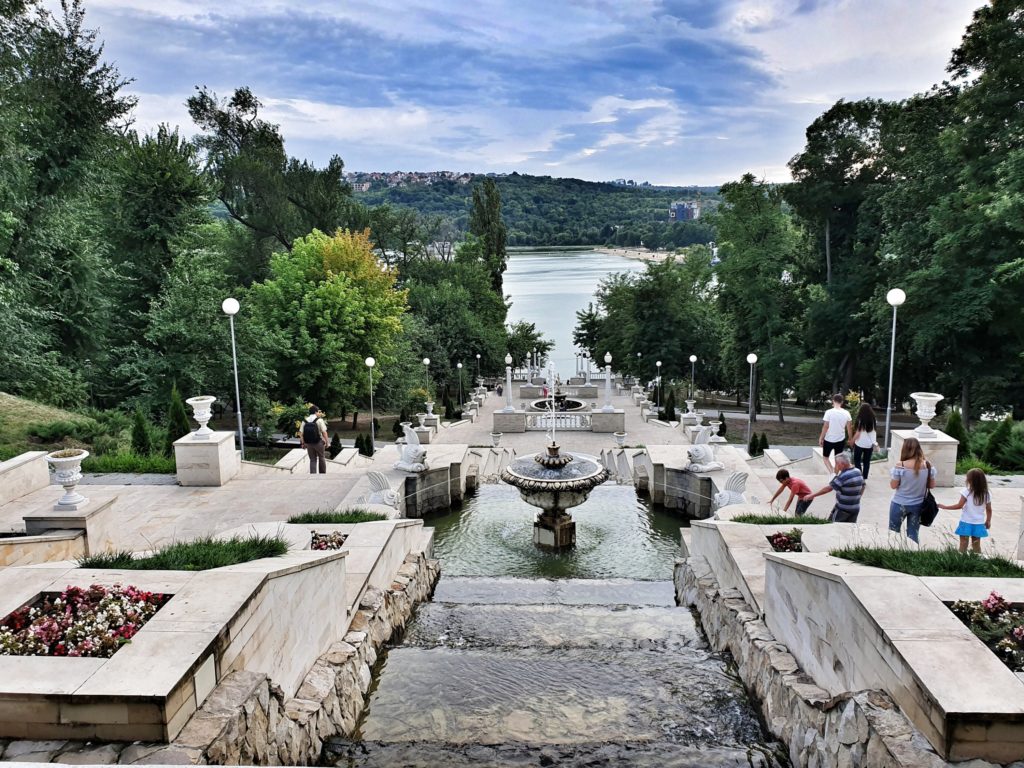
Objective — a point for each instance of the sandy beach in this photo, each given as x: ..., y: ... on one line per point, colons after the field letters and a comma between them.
x: 638, y: 254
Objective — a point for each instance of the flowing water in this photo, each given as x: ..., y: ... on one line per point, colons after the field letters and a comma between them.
x: 586, y: 661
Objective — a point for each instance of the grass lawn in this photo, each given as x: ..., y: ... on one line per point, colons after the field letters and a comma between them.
x: 931, y: 562
x: 779, y: 520
x: 16, y: 414
x: 788, y: 433
x: 199, y: 555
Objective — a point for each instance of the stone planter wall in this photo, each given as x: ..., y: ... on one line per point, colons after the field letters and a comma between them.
x: 865, y: 729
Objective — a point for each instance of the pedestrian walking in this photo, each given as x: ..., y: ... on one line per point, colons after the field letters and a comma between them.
x: 314, y: 440
x: 976, y: 518
x: 865, y: 439
x: 911, y: 479
x: 797, y: 488
x: 835, y: 430
x: 847, y: 485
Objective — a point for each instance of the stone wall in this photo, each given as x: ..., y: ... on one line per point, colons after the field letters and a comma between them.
x: 23, y: 474
x: 46, y: 548
x: 863, y: 729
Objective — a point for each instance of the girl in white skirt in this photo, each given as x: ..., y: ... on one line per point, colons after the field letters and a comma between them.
x: 976, y: 518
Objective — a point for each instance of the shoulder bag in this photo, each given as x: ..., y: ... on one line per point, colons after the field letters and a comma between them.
x: 929, y: 507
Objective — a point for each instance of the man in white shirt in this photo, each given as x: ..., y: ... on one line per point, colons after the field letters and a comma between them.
x: 836, y: 429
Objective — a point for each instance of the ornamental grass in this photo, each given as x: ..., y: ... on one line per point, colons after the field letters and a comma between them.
x: 198, y: 555
x: 932, y: 562
x: 327, y: 517
x: 755, y: 519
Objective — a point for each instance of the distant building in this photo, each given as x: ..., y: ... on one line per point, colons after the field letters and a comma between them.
x: 361, y: 186
x: 684, y: 210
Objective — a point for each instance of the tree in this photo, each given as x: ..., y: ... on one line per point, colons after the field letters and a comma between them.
x: 998, y: 442
x: 177, y: 420
x: 485, y: 222
x: 335, y: 447
x: 955, y: 429
x: 142, y: 439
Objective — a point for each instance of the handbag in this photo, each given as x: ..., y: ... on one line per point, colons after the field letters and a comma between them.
x: 929, y: 507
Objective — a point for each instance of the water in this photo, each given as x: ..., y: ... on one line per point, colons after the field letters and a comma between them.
x: 586, y: 663
x: 547, y: 288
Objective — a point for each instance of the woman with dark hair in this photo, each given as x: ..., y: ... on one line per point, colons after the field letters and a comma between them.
x: 911, y: 478
x: 864, y: 439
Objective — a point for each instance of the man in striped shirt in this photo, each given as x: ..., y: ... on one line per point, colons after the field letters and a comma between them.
x: 847, y: 484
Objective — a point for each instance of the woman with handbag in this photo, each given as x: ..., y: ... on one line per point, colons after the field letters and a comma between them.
x: 912, y: 479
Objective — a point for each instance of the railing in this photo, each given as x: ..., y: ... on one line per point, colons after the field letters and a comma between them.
x: 579, y: 422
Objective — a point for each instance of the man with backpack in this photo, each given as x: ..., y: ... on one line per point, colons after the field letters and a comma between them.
x: 314, y: 440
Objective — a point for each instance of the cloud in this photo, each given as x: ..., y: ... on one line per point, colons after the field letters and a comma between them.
x: 674, y: 91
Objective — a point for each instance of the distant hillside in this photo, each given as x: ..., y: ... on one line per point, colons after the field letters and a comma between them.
x: 541, y: 210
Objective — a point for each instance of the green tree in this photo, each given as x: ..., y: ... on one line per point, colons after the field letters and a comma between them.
x: 998, y: 442
x: 486, y: 223
x: 955, y: 429
x: 142, y: 439
x: 177, y: 420
x: 335, y: 447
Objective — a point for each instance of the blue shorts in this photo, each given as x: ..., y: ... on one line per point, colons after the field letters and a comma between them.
x: 974, y: 530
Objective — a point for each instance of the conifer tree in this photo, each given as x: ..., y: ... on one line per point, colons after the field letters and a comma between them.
x: 142, y: 440
x: 177, y: 420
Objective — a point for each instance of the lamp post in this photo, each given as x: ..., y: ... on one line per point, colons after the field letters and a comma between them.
x: 608, y: 383
x: 586, y: 362
x: 370, y: 362
x: 230, y: 308
x: 478, y: 382
x: 895, y: 298
x: 693, y: 375
x: 509, y: 408
x: 752, y: 359
x: 658, y: 364
x: 461, y: 401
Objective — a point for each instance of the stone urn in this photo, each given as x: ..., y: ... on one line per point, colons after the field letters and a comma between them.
x: 926, y: 402
x: 690, y: 405
x: 700, y: 417
x: 620, y: 438
x: 496, y: 438
x: 201, y: 412
x: 430, y: 407
x: 67, y: 469
x: 422, y: 418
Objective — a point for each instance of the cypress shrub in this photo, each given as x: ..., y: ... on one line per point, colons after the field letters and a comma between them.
x: 721, y: 429
x: 754, y: 446
x: 955, y: 429
x: 142, y: 441
x: 335, y: 448
x: 177, y: 420
x: 763, y: 446
x: 998, y: 442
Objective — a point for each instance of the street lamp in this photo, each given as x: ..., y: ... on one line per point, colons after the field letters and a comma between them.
x: 230, y: 308
x: 895, y: 297
x: 532, y: 366
x: 752, y: 359
x: 370, y: 362
x: 693, y: 374
x: 608, y: 383
x: 478, y: 382
x: 459, y: 366
x: 509, y: 408
x: 659, y: 382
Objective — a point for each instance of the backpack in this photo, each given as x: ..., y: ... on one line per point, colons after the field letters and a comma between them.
x: 310, y: 432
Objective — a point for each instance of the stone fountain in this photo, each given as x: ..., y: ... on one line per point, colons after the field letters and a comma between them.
x: 555, y: 482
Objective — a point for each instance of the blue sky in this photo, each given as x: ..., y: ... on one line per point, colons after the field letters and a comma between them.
x: 669, y: 91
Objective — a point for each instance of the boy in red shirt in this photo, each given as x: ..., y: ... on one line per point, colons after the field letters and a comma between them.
x: 797, y: 489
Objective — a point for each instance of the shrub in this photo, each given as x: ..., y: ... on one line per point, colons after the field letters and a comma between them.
x: 198, y: 555
x: 128, y: 462
x: 955, y: 429
x: 754, y: 446
x: 931, y: 562
x: 1013, y: 453
x: 177, y: 420
x: 56, y: 431
x: 998, y: 442
x: 973, y: 462
x: 396, y: 428
x: 142, y: 440
x: 323, y: 517
x: 335, y: 448
x: 721, y: 429
x: 755, y: 519
x: 104, y: 444
x: 763, y: 444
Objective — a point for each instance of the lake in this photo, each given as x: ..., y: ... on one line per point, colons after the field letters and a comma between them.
x: 548, y: 288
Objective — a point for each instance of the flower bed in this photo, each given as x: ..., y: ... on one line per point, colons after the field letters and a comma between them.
x: 790, y: 541
x: 332, y: 540
x: 79, y: 622
x: 997, y: 624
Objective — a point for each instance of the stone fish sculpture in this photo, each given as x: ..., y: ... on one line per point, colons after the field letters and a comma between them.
x: 414, y: 456
x: 702, y: 455
x: 733, y: 491
x: 381, y: 491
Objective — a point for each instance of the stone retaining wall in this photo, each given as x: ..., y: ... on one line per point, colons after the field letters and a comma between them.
x: 863, y: 729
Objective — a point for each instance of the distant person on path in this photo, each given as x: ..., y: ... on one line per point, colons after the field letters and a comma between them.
x: 314, y: 440
x: 499, y: 389
x: 976, y: 518
x: 911, y: 478
x: 797, y: 488
x: 847, y: 484
x: 835, y: 431
x: 865, y: 439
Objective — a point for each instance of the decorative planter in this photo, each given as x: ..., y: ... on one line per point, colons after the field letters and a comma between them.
x: 690, y: 405
x: 620, y: 438
x: 496, y: 438
x: 700, y: 417
x: 430, y: 407
x: 715, y: 426
x: 201, y: 413
x: 926, y: 402
x: 422, y: 418
x: 67, y: 469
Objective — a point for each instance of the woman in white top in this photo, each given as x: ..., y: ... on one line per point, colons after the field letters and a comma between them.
x: 864, y: 439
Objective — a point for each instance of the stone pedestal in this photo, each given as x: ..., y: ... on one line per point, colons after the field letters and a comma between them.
x: 602, y: 421
x: 554, y: 534
x: 432, y: 420
x: 424, y: 434
x: 509, y: 422
x: 530, y: 392
x: 940, y: 450
x: 209, y: 461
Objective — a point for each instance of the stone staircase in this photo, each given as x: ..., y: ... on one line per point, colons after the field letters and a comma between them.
x: 490, y: 462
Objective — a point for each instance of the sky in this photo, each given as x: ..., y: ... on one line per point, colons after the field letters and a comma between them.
x: 666, y: 91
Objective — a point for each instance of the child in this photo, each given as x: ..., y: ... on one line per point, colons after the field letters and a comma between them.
x: 796, y: 488
x: 976, y: 518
